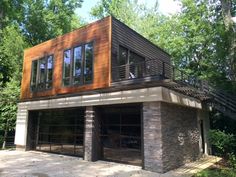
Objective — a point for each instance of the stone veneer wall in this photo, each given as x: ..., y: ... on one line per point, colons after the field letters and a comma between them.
x: 180, y: 135
x: 170, y: 136
x: 92, y: 147
x: 152, y: 137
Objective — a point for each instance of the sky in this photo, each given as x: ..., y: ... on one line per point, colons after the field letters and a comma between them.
x: 165, y: 6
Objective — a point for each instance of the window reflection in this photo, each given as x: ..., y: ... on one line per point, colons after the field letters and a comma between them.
x: 77, y: 64
x: 130, y: 64
x: 66, y: 68
x: 41, y: 74
x: 88, y: 63
x: 78, y: 68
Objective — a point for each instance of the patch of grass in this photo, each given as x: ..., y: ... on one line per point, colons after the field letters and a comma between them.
x: 213, y: 172
x: 220, y: 169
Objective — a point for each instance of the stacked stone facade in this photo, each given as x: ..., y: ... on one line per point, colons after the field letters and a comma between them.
x: 170, y: 136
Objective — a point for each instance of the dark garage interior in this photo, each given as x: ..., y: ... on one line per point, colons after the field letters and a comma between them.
x: 121, y: 133
x: 62, y: 131
x: 57, y: 131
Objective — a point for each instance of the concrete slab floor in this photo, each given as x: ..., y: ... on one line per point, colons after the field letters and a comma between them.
x: 38, y: 164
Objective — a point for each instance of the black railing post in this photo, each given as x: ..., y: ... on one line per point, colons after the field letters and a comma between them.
x: 163, y: 69
x: 173, y: 75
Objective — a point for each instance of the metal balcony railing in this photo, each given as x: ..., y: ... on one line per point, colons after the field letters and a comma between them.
x: 179, y: 81
x: 153, y: 68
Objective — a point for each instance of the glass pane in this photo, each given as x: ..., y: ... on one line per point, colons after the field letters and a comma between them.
x: 122, y: 61
x: 34, y: 74
x: 42, y: 73
x: 67, y: 63
x: 123, y: 56
x: 136, y: 65
x: 49, y: 72
x: 77, y: 64
x: 88, y: 63
x: 50, y: 68
x: 66, y: 81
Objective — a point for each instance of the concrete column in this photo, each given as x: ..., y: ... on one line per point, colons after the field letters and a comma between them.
x: 152, y: 137
x: 21, y: 127
x: 92, y: 145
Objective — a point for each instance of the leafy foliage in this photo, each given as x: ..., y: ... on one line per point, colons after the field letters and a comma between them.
x: 11, y: 53
x: 8, y: 105
x: 44, y: 20
x: 224, y: 143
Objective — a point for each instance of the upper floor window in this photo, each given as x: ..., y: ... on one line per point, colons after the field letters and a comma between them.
x: 130, y: 64
x: 78, y: 65
x: 41, y: 73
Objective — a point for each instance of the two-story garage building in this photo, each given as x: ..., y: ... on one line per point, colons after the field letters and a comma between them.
x: 103, y: 92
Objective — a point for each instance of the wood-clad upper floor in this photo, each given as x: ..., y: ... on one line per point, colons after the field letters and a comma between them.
x: 89, y: 58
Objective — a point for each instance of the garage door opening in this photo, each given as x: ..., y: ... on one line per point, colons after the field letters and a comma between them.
x: 57, y: 131
x: 121, y: 134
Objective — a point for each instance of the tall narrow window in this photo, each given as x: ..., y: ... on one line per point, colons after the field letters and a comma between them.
x: 66, y: 67
x: 122, y: 62
x: 41, y: 74
x: 34, y: 75
x: 49, y: 72
x: 88, y: 63
x: 123, y: 56
x: 78, y: 65
x: 136, y: 63
x: 130, y: 64
x: 77, y: 69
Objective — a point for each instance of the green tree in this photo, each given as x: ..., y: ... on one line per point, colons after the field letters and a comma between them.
x: 228, y: 8
x: 129, y: 12
x: 9, y: 96
x: 44, y: 20
x: 11, y: 54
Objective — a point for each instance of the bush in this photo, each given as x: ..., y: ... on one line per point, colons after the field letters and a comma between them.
x: 222, y: 143
x: 232, y: 160
x: 216, y: 173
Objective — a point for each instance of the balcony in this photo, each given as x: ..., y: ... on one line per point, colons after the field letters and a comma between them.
x: 155, y: 72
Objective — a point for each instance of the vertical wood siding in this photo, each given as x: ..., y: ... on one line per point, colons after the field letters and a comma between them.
x: 98, y: 32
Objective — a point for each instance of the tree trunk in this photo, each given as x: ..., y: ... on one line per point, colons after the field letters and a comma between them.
x: 4, y: 139
x: 231, y: 30
x: 5, y: 136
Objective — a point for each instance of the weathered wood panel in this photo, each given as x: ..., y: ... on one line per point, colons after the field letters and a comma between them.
x: 99, y: 32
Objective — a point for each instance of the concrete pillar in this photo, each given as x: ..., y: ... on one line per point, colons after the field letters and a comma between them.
x: 92, y: 144
x: 152, y: 137
x: 21, y: 127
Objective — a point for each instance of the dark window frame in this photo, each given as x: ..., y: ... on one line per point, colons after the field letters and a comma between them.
x: 63, y: 72
x: 73, y: 66
x: 71, y: 79
x: 83, y: 75
x: 37, y: 81
x: 127, y: 64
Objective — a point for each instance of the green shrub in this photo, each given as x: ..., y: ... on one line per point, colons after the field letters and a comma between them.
x: 222, y: 143
x: 232, y: 160
x: 216, y: 173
